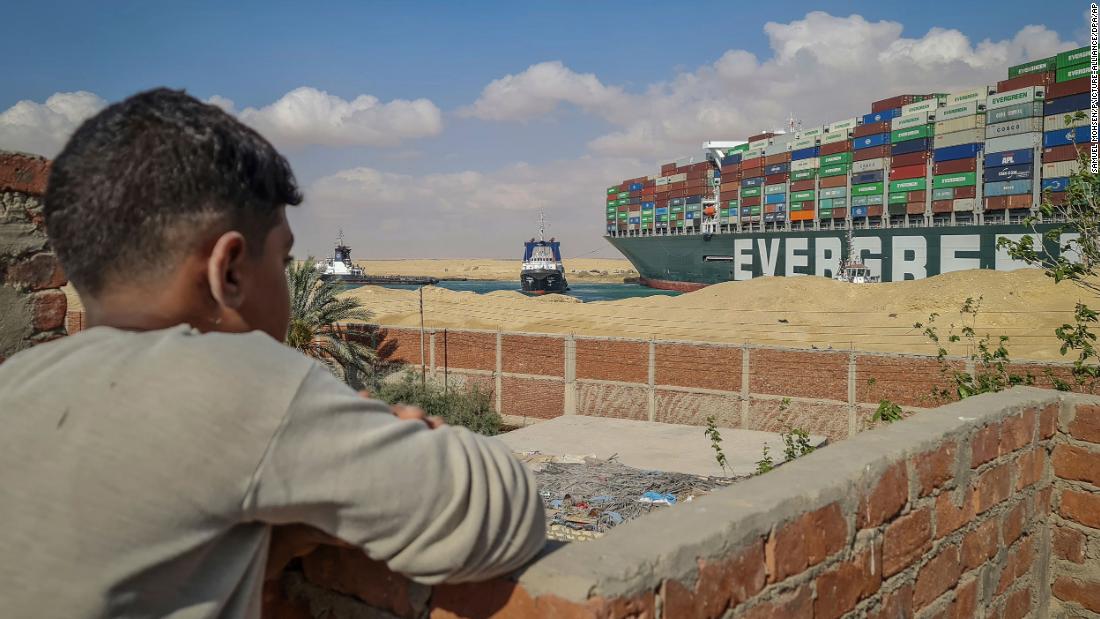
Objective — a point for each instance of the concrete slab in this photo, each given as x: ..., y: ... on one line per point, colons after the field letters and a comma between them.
x: 649, y: 446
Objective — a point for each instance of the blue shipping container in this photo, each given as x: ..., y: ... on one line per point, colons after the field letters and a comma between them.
x: 634, y: 220
x: 662, y: 210
x: 1009, y: 157
x: 962, y: 151
x: 1065, y: 105
x: 867, y: 177
x: 730, y: 160
x: 1055, y: 184
x: 676, y: 202
x: 775, y: 198
x: 769, y: 217
x: 635, y: 187
x: 804, y: 153
x: 690, y: 215
x: 877, y: 117
x: 1061, y: 137
x: 777, y: 168
x: 911, y: 146
x: 753, y: 182
x: 1008, y: 188
x: 876, y: 139
x: 1008, y: 172
x: 859, y: 211
x: 693, y: 199
x: 746, y: 210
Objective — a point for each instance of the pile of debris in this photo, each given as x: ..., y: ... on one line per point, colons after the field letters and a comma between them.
x: 585, y: 496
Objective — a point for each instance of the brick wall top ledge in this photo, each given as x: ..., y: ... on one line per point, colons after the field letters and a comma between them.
x: 23, y: 173
x: 638, y: 556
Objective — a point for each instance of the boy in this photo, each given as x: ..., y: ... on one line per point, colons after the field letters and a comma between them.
x: 144, y: 461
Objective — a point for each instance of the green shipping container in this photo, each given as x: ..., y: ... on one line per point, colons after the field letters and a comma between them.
x: 800, y: 196
x: 945, y: 193
x: 750, y: 192
x: 624, y: 194
x: 1074, y: 57
x: 867, y: 189
x: 964, y: 179
x: 755, y: 210
x: 797, y: 206
x: 834, y: 170
x: 908, y: 184
x: 1066, y: 74
x: 836, y: 158
x: 912, y: 133
x: 676, y: 209
x: 825, y: 203
x: 774, y: 189
x: 1035, y: 66
x: 724, y: 212
x: 898, y: 198
x: 614, y: 189
x: 662, y: 218
x: 623, y: 215
x: 802, y: 175
x: 825, y: 213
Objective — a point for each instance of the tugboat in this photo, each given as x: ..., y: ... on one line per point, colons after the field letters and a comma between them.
x: 542, y: 270
x: 854, y: 271
x: 340, y: 268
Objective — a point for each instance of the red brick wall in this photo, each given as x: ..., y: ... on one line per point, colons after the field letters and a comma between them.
x: 521, y: 354
x: 619, y: 401
x: 694, y: 408
x: 527, y: 397
x: 804, y: 374
x: 468, y: 350
x: 692, y: 365
x: 1075, y: 573
x: 401, y: 345
x: 907, y: 381
x: 774, y: 415
x: 613, y: 360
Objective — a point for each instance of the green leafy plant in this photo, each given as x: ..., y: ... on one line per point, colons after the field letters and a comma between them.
x: 470, y: 407
x: 887, y: 412
x: 765, y: 463
x: 319, y: 325
x: 715, y: 441
x: 797, y: 443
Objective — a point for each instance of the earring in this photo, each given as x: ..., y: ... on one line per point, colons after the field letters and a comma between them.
x: 217, y: 321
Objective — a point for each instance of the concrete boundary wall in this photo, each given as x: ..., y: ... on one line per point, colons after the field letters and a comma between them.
x: 953, y: 512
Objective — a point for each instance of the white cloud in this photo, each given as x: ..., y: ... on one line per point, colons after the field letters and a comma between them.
x: 821, y: 68
x: 307, y: 116
x: 43, y: 128
x: 225, y: 104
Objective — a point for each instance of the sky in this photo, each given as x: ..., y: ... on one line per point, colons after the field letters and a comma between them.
x: 441, y: 130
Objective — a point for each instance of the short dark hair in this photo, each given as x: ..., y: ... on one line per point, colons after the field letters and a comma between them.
x: 145, y: 180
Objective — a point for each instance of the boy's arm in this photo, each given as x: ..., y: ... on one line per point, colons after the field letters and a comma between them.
x: 437, y: 505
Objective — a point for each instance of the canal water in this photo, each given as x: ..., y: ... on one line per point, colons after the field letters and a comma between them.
x: 584, y: 291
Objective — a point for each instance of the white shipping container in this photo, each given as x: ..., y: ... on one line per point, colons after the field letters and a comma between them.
x: 1055, y: 122
x: 663, y: 180
x: 1013, y: 142
x: 804, y: 143
x: 911, y: 120
x: 783, y: 138
x: 805, y: 164
x: 1013, y: 127
x: 677, y: 178
x: 832, y: 138
x: 753, y: 153
x: 843, y: 126
x: 868, y: 165
x: 975, y: 121
x: 956, y: 138
x: 812, y: 132
x: 1013, y: 97
x: 761, y: 143
x: 974, y: 94
x: 776, y: 149
x: 1060, y: 169
x: 959, y: 110
x: 963, y: 205
x: 928, y: 105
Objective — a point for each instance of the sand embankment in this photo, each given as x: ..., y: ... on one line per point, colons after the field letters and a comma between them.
x: 789, y: 311
x: 577, y: 269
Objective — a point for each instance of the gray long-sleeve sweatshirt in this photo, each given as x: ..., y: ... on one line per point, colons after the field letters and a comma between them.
x: 140, y: 475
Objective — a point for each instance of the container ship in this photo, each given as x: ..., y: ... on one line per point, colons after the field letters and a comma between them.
x: 921, y: 185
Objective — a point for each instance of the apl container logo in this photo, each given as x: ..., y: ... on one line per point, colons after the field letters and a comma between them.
x: 1008, y: 160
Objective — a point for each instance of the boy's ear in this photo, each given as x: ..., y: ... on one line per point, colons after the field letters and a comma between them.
x: 224, y: 269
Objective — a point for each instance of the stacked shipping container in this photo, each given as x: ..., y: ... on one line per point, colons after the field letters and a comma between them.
x: 914, y: 159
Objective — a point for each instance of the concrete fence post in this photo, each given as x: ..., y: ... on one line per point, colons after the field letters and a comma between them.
x: 570, y: 375
x: 651, y: 392
x: 746, y: 408
x: 498, y: 386
x: 852, y: 408
x: 431, y: 353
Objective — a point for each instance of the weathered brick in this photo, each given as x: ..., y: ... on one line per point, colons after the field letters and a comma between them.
x: 805, y: 542
x: 897, y: 604
x: 39, y: 272
x: 840, y: 588
x: 522, y: 354
x: 992, y: 487
x: 1081, y: 507
x: 1086, y: 423
x: 349, y: 571
x: 1012, y: 523
x: 980, y: 545
x: 1069, y: 544
x: 886, y: 499
x: 906, y: 540
x: 966, y: 600
x: 806, y: 374
x: 621, y: 402
x: 530, y: 397
x: 1029, y: 468
x: 705, y: 367
x: 1042, y: 502
x: 907, y: 381
x: 49, y: 310
x: 465, y: 349
x: 496, y: 598
x: 1077, y: 463
x: 1017, y: 431
x: 797, y: 603
x: 1081, y: 591
x: 1018, y: 604
x: 937, y: 576
x: 613, y: 360
x: 1017, y: 562
x: 934, y: 468
x: 1048, y: 420
x: 950, y: 515
x: 985, y: 445
x: 720, y: 585
x: 23, y: 173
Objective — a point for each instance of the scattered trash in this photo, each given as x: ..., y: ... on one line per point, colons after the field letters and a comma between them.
x: 657, y: 498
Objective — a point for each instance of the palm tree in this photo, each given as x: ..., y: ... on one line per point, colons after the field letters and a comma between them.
x: 315, y: 312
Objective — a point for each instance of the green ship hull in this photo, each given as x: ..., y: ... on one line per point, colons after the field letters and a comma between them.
x: 691, y: 261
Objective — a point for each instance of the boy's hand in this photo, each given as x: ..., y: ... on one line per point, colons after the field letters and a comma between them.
x: 414, y: 413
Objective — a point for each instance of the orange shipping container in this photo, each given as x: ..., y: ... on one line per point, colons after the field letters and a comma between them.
x: 778, y: 158
x: 805, y: 185
x: 833, y: 181
x: 914, y: 208
x: 802, y: 215
x: 942, y: 206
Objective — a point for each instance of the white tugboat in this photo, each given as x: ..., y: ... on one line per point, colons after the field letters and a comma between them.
x: 339, y: 266
x: 852, y: 270
x: 542, y: 270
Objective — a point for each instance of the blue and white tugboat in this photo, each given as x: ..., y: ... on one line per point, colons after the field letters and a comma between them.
x: 542, y: 270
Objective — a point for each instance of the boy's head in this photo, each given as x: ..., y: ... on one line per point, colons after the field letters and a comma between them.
x: 163, y: 209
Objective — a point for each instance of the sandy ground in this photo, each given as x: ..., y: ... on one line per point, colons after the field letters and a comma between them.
x: 578, y: 269
x: 801, y: 312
